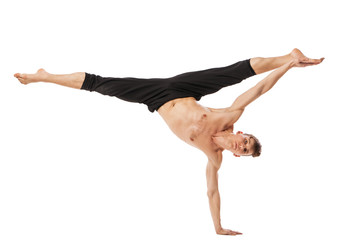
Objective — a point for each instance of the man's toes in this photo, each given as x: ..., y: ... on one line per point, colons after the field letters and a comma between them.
x: 21, y: 80
x: 20, y: 75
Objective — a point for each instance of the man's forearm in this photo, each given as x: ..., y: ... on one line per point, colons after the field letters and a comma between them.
x: 214, y: 204
x: 259, y: 89
x: 267, y: 83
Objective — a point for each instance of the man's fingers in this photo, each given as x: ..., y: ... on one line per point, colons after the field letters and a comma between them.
x: 224, y: 231
x: 312, y: 61
x: 234, y: 233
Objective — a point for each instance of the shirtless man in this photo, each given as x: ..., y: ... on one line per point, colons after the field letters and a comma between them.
x: 175, y: 99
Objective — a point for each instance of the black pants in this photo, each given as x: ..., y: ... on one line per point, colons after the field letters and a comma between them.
x: 154, y: 92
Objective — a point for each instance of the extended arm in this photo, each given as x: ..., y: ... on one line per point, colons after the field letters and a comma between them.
x: 238, y: 106
x: 214, y: 198
x: 260, y: 88
x: 267, y: 83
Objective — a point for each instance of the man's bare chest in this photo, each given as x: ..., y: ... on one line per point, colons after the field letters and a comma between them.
x: 194, y: 124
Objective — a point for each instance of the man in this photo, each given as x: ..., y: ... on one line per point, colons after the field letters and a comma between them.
x: 175, y: 99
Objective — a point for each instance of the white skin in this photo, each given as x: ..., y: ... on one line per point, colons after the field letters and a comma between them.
x: 239, y: 144
x: 208, y: 129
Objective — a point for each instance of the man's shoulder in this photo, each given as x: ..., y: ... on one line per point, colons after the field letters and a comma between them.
x: 214, y: 156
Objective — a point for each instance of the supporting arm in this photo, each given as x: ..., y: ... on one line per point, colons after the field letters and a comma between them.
x: 214, y: 199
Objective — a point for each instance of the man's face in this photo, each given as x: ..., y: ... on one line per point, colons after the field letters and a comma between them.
x: 242, y: 145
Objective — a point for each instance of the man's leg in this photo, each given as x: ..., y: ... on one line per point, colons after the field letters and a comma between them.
x: 261, y: 65
x: 73, y: 80
x: 149, y: 91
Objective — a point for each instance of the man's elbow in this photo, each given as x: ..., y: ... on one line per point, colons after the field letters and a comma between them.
x: 211, y: 193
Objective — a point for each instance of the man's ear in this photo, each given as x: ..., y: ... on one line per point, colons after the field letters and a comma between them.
x: 236, y: 155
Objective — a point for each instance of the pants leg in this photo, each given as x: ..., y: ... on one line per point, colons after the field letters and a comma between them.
x: 201, y: 83
x: 154, y: 92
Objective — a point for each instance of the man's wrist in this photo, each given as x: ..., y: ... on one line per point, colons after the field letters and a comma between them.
x: 292, y: 63
x: 218, y: 228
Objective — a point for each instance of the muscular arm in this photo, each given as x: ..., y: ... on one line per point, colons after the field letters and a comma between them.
x: 213, y: 194
x: 260, y: 88
x: 214, y: 197
x: 238, y: 106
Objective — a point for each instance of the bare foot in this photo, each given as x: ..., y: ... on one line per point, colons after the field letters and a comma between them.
x: 302, y: 60
x: 39, y: 76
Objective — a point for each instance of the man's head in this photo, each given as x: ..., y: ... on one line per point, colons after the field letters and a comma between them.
x: 243, y: 144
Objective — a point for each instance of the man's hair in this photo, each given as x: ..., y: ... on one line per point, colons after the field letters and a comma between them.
x: 257, y: 145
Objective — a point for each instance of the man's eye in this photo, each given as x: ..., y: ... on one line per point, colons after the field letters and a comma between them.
x: 246, y: 141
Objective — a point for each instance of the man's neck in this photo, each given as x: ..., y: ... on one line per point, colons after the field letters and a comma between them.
x: 222, y: 140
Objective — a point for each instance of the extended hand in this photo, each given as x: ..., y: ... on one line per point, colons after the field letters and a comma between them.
x: 223, y: 231
x: 307, y: 62
x: 300, y: 60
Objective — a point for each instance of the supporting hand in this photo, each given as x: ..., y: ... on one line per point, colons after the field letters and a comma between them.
x: 223, y: 231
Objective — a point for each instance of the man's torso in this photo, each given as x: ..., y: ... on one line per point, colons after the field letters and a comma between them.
x: 195, y: 124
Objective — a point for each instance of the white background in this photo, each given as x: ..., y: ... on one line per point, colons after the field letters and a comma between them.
x: 80, y: 165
